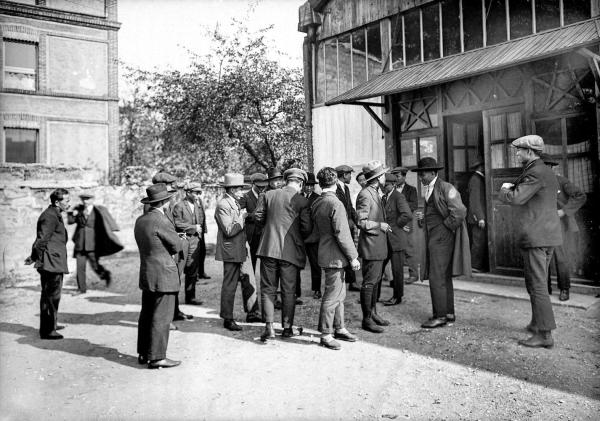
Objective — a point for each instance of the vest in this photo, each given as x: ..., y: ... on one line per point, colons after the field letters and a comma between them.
x: 433, y: 217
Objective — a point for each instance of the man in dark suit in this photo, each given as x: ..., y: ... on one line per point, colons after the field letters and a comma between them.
x: 232, y: 251
x: 285, y: 214
x: 274, y: 178
x: 190, y: 219
x: 476, y: 219
x: 569, y: 200
x: 311, y: 243
x: 372, y: 244
x: 398, y: 216
x: 249, y: 202
x: 410, y: 194
x: 337, y: 251
x: 533, y: 194
x: 93, y: 238
x: 344, y: 173
x: 49, y: 253
x: 158, y: 244
x: 443, y: 219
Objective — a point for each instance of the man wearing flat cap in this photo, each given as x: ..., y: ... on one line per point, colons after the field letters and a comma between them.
x: 446, y: 239
x: 94, y: 238
x: 372, y: 244
x: 190, y: 220
x: 344, y: 173
x: 476, y: 218
x: 533, y: 195
x: 249, y: 201
x: 158, y: 243
x: 285, y: 214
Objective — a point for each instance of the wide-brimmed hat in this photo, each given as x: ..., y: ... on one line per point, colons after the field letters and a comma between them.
x: 427, y: 164
x: 295, y: 172
x: 373, y: 169
x: 531, y: 141
x: 273, y: 173
x: 311, y: 179
x: 193, y: 186
x: 344, y: 169
x: 398, y: 170
x: 259, y: 179
x: 157, y: 193
x: 163, y: 177
x: 478, y: 162
x: 233, y: 180
x: 86, y: 196
x: 549, y: 160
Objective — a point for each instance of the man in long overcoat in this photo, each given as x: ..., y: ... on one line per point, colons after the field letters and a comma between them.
x: 476, y: 218
x: 344, y: 173
x: 533, y: 194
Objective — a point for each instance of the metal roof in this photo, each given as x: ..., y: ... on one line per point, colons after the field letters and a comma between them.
x: 506, y: 54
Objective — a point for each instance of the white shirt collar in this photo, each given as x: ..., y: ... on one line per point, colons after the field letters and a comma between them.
x: 329, y: 189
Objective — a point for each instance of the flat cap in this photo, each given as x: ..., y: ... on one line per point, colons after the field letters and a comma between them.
x: 531, y: 141
x: 398, y: 170
x: 259, y: 179
x: 163, y: 177
x: 344, y: 168
x: 86, y: 196
x: 390, y: 178
x: 193, y: 186
x: 295, y: 172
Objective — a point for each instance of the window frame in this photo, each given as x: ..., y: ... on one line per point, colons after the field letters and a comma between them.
x: 20, y: 70
x: 3, y: 145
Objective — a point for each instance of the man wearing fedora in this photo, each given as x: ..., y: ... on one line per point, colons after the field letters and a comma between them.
x: 443, y: 219
x: 232, y: 251
x: 249, y: 201
x: 476, y: 219
x: 158, y: 244
x: 190, y: 220
x: 311, y: 243
x: 285, y: 214
x: 533, y: 195
x: 372, y: 244
x: 344, y: 174
x: 410, y: 194
x: 94, y: 238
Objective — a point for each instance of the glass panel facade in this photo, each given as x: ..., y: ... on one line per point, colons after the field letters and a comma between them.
x: 319, y: 74
x: 431, y: 32
x: 408, y: 151
x: 374, y: 62
x: 520, y: 18
x: 472, y: 25
x: 331, y: 78
x: 576, y: 10
x: 495, y: 21
x: 397, y: 46
x: 344, y: 65
x: 21, y: 145
x: 412, y: 36
x: 359, y: 53
x: 547, y: 14
x: 451, y: 26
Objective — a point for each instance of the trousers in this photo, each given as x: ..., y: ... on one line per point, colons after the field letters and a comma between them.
x: 153, y: 325
x: 49, y: 300
x: 82, y: 257
x: 440, y: 247
x: 560, y: 262
x: 312, y: 252
x: 372, y: 271
x: 275, y: 272
x: 192, y: 267
x: 397, y: 260
x: 331, y: 315
x: 232, y: 274
x: 536, y: 261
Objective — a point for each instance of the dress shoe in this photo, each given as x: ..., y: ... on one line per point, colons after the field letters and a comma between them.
x: 164, y: 363
x: 278, y: 304
x: 317, y: 295
x: 230, y: 324
x: 52, y: 336
x: 173, y: 327
x: 253, y: 318
x: 142, y: 359
x: 564, y: 295
x: 299, y: 302
x: 60, y: 327
x: 531, y: 328
x: 354, y: 287
x: 379, y: 320
x: 182, y: 316
x: 411, y: 280
x: 450, y: 318
x: 204, y: 276
x: 542, y: 339
x: 108, y: 278
x: 392, y: 301
x: 78, y: 292
x: 345, y: 336
x: 288, y: 332
x: 330, y: 344
x: 370, y: 326
x: 194, y: 302
x: 434, y: 322
x: 268, y: 333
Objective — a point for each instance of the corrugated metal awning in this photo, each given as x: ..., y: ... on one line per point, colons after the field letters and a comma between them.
x: 510, y: 53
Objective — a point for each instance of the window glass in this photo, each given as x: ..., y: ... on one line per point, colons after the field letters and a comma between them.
x: 331, y: 78
x: 397, y: 49
x: 431, y: 32
x: 319, y: 75
x: 408, y: 152
x: 579, y: 141
x: 359, y: 62
x: 20, y: 64
x: 412, y: 37
x: 495, y: 21
x: 520, y: 18
x: 374, y: 61
x: 472, y: 25
x: 428, y: 147
x: 460, y: 164
x: 21, y: 145
x: 576, y: 10
x: 451, y: 26
x: 344, y: 65
x: 547, y: 14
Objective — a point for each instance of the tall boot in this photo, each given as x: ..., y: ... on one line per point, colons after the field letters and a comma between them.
x: 542, y: 339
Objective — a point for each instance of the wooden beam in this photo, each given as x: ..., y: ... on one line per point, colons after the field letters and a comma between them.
x: 376, y: 118
x: 587, y: 53
x: 368, y: 104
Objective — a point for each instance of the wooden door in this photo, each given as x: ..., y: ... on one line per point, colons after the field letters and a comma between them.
x: 500, y: 127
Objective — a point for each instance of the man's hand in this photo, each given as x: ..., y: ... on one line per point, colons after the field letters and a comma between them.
x: 384, y: 226
x: 419, y: 215
x: 481, y: 223
x: 243, y: 213
x: 406, y: 228
x: 355, y: 264
x: 561, y: 213
x: 28, y: 260
x: 199, y: 229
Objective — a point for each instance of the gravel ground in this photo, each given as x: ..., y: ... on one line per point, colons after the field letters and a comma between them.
x: 471, y: 370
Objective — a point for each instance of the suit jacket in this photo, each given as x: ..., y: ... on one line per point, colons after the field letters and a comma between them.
x: 285, y: 215
x: 410, y: 194
x: 534, y: 197
x: 372, y: 242
x: 346, y: 199
x: 96, y: 232
x: 186, y: 221
x: 397, y: 215
x: 476, y: 191
x: 157, y: 242
x: 570, y: 199
x: 336, y: 246
x: 231, y: 237
x: 314, y: 235
x: 249, y: 202
x: 49, y: 251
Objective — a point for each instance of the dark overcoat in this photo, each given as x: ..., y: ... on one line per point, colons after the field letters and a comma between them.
x: 372, y: 242
x: 410, y: 193
x: 314, y: 235
x: 231, y: 236
x: 343, y: 194
x: 397, y: 215
x: 249, y: 202
x: 476, y: 191
x: 570, y: 199
x: 49, y: 251
x: 105, y: 242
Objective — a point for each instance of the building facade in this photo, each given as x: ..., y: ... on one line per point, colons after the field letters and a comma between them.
x: 458, y: 80
x: 58, y: 84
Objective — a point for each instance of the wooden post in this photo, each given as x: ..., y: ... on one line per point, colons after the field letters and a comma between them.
x: 307, y: 60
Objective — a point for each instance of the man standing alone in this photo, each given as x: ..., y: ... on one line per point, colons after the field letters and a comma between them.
x: 476, y: 218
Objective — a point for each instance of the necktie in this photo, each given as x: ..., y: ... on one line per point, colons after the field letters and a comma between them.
x: 384, y: 200
x: 428, y: 192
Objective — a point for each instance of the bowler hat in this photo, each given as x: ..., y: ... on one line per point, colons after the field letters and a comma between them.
x: 295, y: 172
x: 193, y: 186
x: 311, y: 178
x: 427, y: 164
x: 398, y: 170
x: 273, y: 173
x: 259, y: 179
x: 344, y: 168
x: 373, y: 169
x: 233, y: 180
x: 163, y: 177
x: 86, y: 196
x: 531, y: 141
x: 157, y: 193
x: 478, y: 162
x: 549, y: 160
